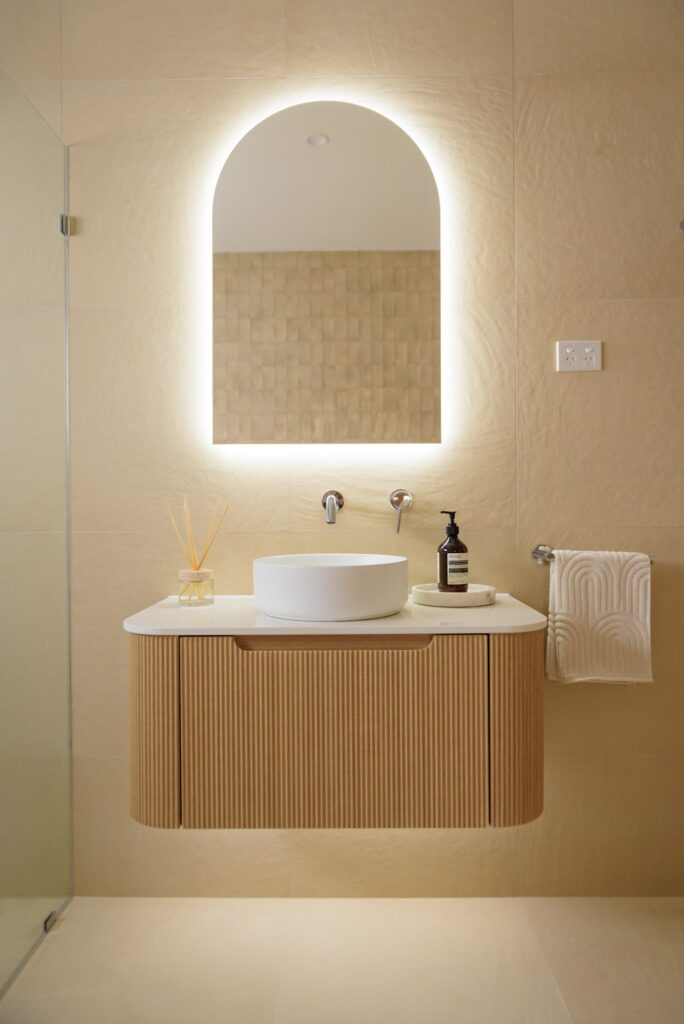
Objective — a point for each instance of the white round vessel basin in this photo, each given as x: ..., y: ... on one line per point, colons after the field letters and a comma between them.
x: 330, y: 588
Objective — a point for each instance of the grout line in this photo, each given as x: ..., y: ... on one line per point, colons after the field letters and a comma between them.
x: 523, y: 903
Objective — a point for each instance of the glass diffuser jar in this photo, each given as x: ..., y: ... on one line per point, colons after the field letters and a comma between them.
x: 196, y: 586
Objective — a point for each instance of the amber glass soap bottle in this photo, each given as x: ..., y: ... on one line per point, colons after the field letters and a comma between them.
x: 452, y: 559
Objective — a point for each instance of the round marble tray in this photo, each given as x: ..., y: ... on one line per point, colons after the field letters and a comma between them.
x: 475, y: 596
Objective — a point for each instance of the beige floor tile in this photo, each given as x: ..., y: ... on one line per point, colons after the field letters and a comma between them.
x: 408, y: 960
x: 380, y: 961
x: 616, y: 961
x: 597, y: 210
x: 115, y: 856
x: 557, y: 36
x: 405, y: 863
x: 34, y: 811
x: 171, y: 39
x: 628, y: 479
x: 149, y: 960
x: 21, y: 925
x: 610, y: 827
x: 385, y: 38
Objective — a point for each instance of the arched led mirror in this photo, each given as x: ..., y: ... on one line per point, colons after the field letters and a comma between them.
x: 326, y: 283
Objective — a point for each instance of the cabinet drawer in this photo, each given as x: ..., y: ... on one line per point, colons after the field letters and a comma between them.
x: 334, y: 732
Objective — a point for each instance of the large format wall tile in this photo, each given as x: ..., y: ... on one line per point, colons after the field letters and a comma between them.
x: 595, y: 217
x: 34, y: 712
x: 576, y: 36
x: 389, y: 37
x: 610, y: 826
x: 137, y: 447
x: 177, y: 135
x: 399, y: 862
x: 172, y: 39
x: 115, y: 856
x: 598, y: 171
x: 30, y: 53
x: 34, y: 418
x: 601, y: 449
x: 34, y: 853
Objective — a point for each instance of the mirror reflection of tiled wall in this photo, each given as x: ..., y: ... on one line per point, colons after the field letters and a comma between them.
x: 326, y: 347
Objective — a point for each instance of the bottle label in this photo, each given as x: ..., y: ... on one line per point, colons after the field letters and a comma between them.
x: 457, y: 568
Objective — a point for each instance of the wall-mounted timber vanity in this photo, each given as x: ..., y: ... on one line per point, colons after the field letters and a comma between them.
x: 431, y: 718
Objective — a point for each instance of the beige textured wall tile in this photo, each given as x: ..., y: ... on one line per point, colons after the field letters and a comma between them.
x: 610, y: 826
x: 637, y: 976
x: 573, y: 36
x: 29, y: 39
x: 405, y: 862
x: 122, y: 132
x: 172, y: 39
x: 30, y: 53
x: 34, y: 853
x: 596, y: 216
x: 137, y: 447
x: 607, y: 451
x: 597, y: 179
x: 385, y: 38
x: 34, y: 713
x: 31, y: 173
x: 115, y: 856
x: 33, y: 403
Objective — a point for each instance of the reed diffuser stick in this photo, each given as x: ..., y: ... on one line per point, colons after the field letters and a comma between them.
x: 187, y: 544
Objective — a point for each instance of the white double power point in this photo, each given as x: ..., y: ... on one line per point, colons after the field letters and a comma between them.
x: 573, y: 356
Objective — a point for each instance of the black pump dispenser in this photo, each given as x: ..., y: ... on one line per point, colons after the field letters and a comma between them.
x: 452, y: 559
x: 452, y: 528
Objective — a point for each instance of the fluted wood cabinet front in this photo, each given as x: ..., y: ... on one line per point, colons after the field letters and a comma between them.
x: 437, y: 731
x: 352, y: 737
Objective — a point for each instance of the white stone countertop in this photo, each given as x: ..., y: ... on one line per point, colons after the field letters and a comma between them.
x: 238, y: 615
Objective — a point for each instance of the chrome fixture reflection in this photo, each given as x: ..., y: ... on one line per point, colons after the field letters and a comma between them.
x: 332, y: 502
x: 400, y: 500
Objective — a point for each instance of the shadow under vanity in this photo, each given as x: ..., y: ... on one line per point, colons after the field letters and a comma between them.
x: 430, y: 718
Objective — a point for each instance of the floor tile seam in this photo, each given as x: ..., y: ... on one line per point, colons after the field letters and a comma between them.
x: 537, y: 939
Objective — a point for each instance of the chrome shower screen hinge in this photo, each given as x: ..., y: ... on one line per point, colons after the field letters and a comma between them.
x: 49, y: 921
x: 66, y: 224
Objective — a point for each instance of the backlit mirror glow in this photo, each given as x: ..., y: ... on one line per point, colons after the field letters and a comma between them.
x: 326, y: 283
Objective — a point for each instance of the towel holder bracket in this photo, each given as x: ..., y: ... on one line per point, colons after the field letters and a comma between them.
x: 542, y: 554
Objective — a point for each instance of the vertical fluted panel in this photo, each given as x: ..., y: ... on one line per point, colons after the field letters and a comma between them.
x: 516, y: 673
x: 155, y: 730
x: 334, y: 738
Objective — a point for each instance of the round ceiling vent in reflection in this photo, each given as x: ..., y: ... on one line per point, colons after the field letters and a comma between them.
x: 318, y: 139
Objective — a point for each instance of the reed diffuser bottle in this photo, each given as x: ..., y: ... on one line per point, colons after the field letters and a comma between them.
x: 196, y: 584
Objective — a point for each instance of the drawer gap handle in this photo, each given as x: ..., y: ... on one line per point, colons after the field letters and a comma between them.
x: 356, y: 642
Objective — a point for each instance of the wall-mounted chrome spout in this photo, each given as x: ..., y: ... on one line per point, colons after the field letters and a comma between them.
x: 332, y: 502
x: 400, y: 500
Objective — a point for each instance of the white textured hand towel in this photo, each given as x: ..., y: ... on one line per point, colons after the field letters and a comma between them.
x: 599, y: 617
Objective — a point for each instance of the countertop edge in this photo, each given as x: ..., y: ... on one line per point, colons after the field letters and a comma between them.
x: 357, y: 627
